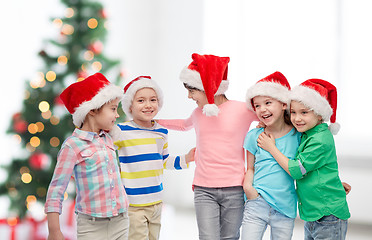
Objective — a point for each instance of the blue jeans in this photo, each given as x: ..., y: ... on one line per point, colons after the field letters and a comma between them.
x: 219, y: 212
x: 328, y: 227
x: 258, y: 214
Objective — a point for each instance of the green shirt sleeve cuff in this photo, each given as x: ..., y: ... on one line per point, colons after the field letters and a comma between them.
x: 294, y: 169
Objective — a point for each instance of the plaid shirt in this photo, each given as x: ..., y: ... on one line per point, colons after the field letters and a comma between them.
x: 92, y: 160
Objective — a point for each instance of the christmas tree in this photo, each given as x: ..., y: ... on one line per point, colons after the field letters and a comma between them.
x: 43, y: 123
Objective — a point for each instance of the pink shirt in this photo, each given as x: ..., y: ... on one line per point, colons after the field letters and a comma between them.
x: 219, y: 159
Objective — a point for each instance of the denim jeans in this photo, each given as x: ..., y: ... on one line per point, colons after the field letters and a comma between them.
x: 219, y: 212
x: 328, y: 227
x: 258, y: 214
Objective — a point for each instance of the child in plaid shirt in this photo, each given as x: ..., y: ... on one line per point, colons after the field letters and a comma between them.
x: 89, y: 156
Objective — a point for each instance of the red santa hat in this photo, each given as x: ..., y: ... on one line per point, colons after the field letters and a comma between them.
x: 91, y: 93
x: 275, y: 86
x: 207, y: 73
x: 321, y: 97
x: 133, y: 86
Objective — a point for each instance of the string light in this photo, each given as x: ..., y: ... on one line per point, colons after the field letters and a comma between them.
x: 62, y: 60
x: 69, y: 12
x: 31, y: 199
x: 17, y: 138
x: 26, y: 178
x: 88, y: 55
x: 54, y: 120
x: 58, y: 22
x: 12, y: 221
x: 97, y: 66
x: 54, y: 142
x: 38, y: 81
x: 67, y: 29
x: 23, y: 170
x: 32, y: 128
x: 43, y: 106
x: 50, y: 76
x: 35, y: 141
x: 29, y: 147
x: 92, y: 23
x: 47, y: 114
x: 40, y: 126
x: 84, y: 67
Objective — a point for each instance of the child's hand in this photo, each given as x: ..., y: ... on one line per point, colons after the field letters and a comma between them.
x: 190, y: 157
x: 251, y: 193
x: 260, y: 125
x: 347, y: 187
x: 55, y: 235
x: 266, y: 141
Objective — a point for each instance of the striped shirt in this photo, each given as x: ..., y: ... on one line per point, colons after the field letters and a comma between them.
x: 143, y: 154
x: 91, y: 159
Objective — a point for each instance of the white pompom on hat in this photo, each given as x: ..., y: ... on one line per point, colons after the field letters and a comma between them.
x: 275, y: 86
x: 88, y: 94
x: 321, y: 97
x: 133, y: 86
x: 207, y: 73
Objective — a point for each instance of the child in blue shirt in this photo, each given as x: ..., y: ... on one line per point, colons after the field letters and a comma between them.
x: 270, y: 191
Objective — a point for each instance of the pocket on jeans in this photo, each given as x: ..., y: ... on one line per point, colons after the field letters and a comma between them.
x: 328, y: 220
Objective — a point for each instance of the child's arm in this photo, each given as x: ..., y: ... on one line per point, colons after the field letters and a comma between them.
x: 176, y: 124
x: 54, y: 227
x: 249, y: 190
x: 267, y: 142
x: 190, y: 156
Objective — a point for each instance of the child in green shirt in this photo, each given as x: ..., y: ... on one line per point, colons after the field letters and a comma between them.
x: 321, y: 195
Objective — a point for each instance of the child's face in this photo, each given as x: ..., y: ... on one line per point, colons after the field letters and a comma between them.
x: 106, y: 116
x: 144, y: 107
x: 269, y: 110
x: 303, y: 118
x: 198, y: 96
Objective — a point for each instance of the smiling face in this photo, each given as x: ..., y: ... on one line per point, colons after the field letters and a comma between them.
x: 198, y: 96
x: 144, y: 107
x: 303, y: 118
x: 269, y: 110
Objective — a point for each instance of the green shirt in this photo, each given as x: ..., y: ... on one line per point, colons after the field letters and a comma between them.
x: 319, y: 188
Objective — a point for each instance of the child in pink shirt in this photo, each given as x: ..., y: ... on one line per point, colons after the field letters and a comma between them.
x: 220, y: 126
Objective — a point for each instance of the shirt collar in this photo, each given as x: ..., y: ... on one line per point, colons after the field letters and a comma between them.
x: 319, y: 128
x: 88, y: 136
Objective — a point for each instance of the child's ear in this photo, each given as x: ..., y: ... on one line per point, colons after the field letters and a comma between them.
x: 92, y: 112
x: 284, y: 106
x: 320, y: 119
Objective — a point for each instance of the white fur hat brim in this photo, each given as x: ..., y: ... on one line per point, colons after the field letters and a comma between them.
x: 313, y: 100
x: 193, y: 79
x: 127, y: 100
x: 105, y: 95
x: 270, y: 89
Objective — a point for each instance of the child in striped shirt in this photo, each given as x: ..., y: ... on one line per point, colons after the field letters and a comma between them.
x: 89, y: 155
x: 143, y: 153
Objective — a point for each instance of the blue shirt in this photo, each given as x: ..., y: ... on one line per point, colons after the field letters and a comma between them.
x: 270, y: 180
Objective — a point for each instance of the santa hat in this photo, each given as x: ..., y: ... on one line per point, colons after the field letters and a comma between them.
x: 91, y: 93
x: 133, y: 86
x: 207, y: 73
x: 275, y: 86
x: 321, y: 97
